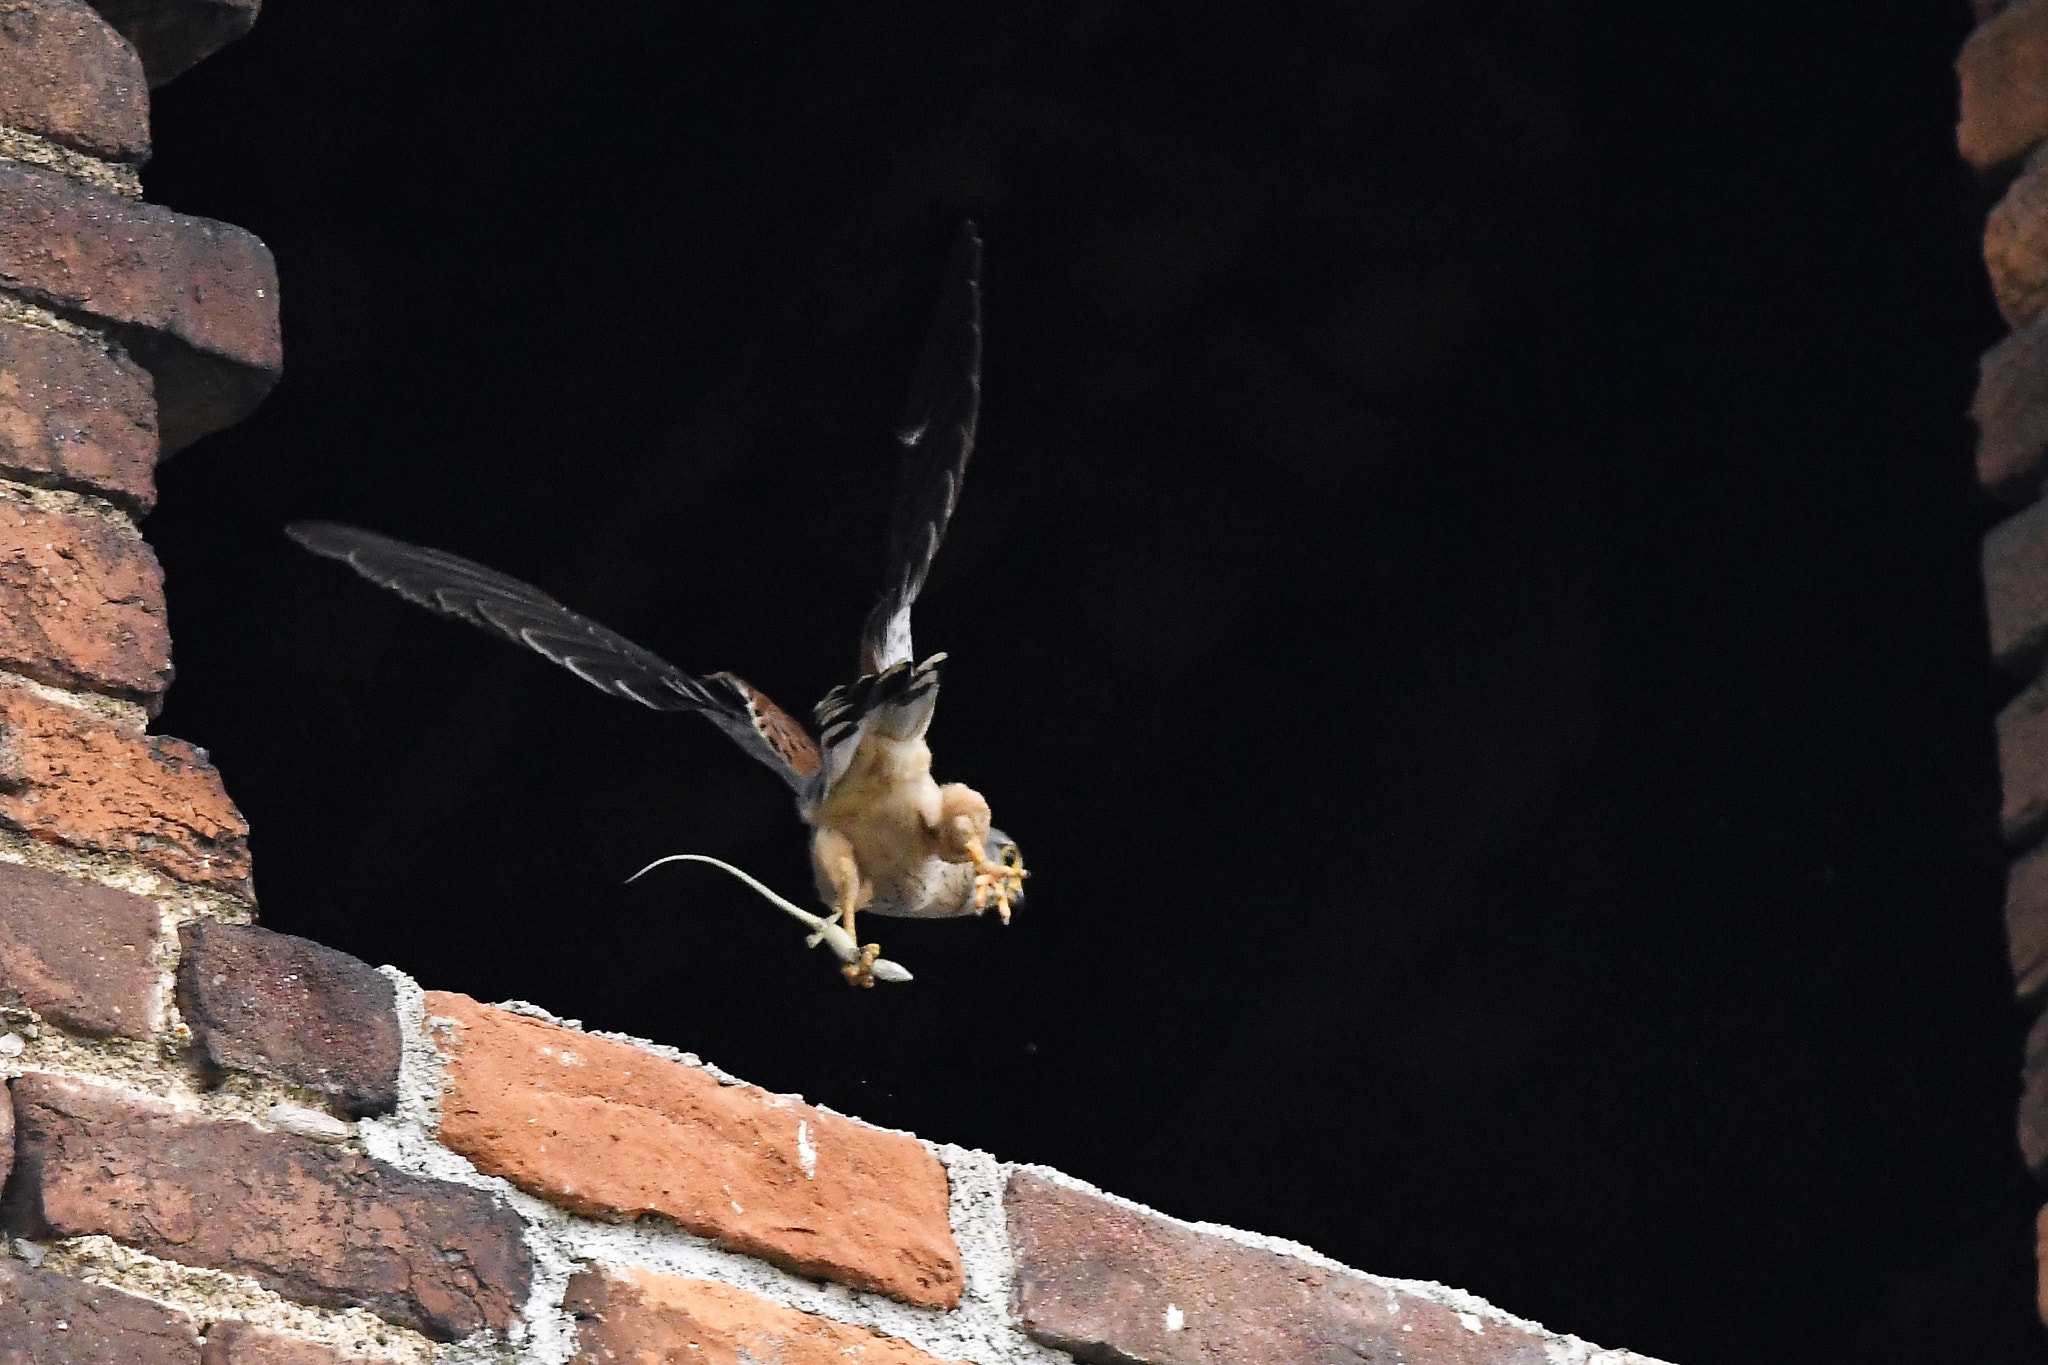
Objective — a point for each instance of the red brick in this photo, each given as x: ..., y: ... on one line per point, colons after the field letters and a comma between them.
x: 82, y: 605
x: 231, y: 1341
x: 1109, y: 1283
x: 2011, y: 411
x: 48, y: 1319
x: 75, y: 415
x: 315, y: 1223
x: 2015, y: 564
x: 291, y: 1008
x: 193, y: 300
x: 66, y: 74
x: 74, y: 778
x: 78, y: 953
x: 636, y: 1316
x: 2004, y: 74
x: 609, y: 1130
x: 2026, y: 923
x: 171, y: 35
x: 2023, y: 763
x: 2016, y: 246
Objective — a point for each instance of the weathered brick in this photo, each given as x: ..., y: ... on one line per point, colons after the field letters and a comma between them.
x: 2016, y: 245
x: 637, y: 1315
x: 2033, y: 1109
x: 2004, y: 73
x: 313, y: 1222
x: 2023, y: 763
x: 291, y: 1008
x: 78, y: 953
x: 231, y: 1341
x: 2015, y: 564
x: 66, y: 74
x: 193, y: 300
x: 74, y: 778
x: 82, y: 605
x: 48, y: 1319
x: 2041, y: 1265
x: 171, y: 35
x: 2026, y: 923
x: 609, y: 1130
x: 75, y: 415
x: 1110, y: 1283
x: 2011, y: 412
x: 6, y: 1141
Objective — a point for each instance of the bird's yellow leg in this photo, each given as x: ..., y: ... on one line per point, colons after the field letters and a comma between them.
x: 997, y: 881
x: 839, y: 876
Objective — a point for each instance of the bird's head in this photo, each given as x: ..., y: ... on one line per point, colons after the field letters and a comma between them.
x: 1004, y: 850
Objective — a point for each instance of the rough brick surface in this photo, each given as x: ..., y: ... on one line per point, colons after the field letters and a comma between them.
x: 637, y: 1315
x: 2033, y: 1111
x: 315, y: 1223
x: 193, y: 300
x: 171, y: 35
x: 2026, y: 923
x: 2016, y: 245
x: 76, y: 779
x: 288, y: 1007
x: 73, y: 415
x: 2041, y: 1264
x: 2023, y: 763
x: 82, y: 605
x: 231, y: 1341
x: 608, y: 1130
x: 2004, y: 74
x: 48, y: 1319
x: 78, y: 953
x: 2015, y: 565
x: 66, y: 74
x: 1109, y: 1283
x: 2011, y: 411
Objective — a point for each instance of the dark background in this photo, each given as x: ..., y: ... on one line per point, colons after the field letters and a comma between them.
x: 1466, y: 595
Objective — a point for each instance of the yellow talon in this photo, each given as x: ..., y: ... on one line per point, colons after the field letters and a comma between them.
x: 862, y: 973
x: 998, y: 881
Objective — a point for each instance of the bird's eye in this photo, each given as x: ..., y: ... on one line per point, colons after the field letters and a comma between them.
x: 1008, y: 856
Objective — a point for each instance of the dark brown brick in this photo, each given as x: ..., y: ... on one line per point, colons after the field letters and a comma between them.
x: 2016, y: 245
x: 291, y: 1008
x: 78, y: 953
x: 2015, y: 564
x: 75, y: 415
x: 171, y: 35
x: 231, y: 1341
x: 2023, y: 763
x: 315, y: 1223
x: 66, y: 74
x: 2041, y: 1265
x: 82, y: 605
x: 2026, y: 923
x: 48, y: 1319
x: 1111, y: 1284
x: 2033, y: 1124
x: 194, y: 301
x: 74, y: 778
x: 2011, y: 411
x: 2004, y: 73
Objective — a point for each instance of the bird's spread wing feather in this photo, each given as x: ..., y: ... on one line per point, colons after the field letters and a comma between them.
x: 937, y: 436
x: 897, y: 702
x: 453, y: 586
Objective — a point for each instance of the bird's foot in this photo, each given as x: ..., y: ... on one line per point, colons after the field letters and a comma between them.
x: 997, y: 882
x: 861, y: 971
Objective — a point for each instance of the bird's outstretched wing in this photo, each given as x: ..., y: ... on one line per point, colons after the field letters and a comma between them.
x: 937, y: 436
x: 897, y: 701
x: 453, y: 586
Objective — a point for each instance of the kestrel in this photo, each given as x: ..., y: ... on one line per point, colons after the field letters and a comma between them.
x: 885, y: 836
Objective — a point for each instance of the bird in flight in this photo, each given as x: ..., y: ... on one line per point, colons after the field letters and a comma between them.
x: 885, y: 836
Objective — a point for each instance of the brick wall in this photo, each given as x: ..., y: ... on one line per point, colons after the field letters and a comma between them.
x: 228, y: 1146
x: 2003, y: 135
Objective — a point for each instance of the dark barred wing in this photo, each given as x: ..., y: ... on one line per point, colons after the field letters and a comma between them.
x: 896, y: 702
x: 453, y: 586
x: 937, y: 436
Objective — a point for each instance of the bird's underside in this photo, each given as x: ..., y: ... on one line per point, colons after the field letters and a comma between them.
x: 886, y: 837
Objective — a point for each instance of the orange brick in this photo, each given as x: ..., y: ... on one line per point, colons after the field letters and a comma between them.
x: 641, y: 1316
x: 73, y: 778
x: 2004, y: 74
x: 82, y: 605
x: 611, y: 1131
